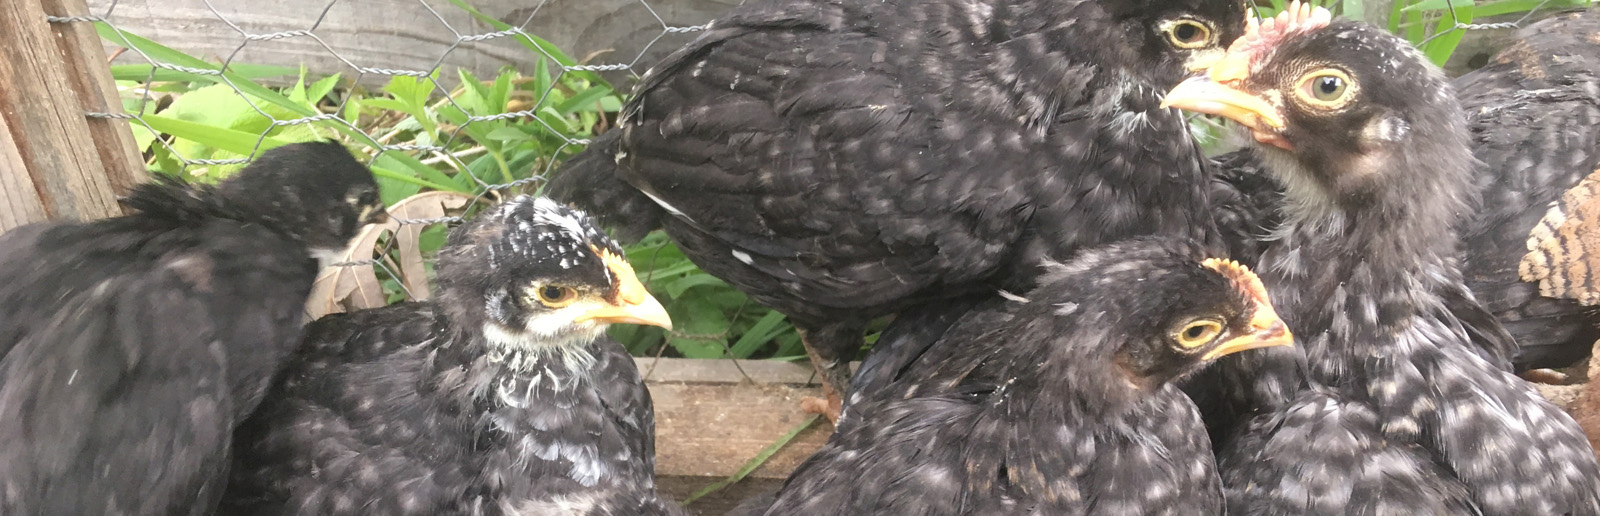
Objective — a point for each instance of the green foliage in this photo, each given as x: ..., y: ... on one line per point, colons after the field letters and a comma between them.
x: 475, y: 138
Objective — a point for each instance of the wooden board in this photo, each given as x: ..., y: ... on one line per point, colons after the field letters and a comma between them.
x: 83, y: 51
x: 46, y: 140
x: 406, y: 35
x: 711, y: 418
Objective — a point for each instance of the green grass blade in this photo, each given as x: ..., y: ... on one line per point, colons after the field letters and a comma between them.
x: 241, y: 142
x: 167, y: 54
x: 142, y: 72
x: 1440, y: 48
x: 537, y: 44
x: 757, y: 335
x: 755, y: 462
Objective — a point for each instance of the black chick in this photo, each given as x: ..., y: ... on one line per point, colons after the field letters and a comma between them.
x: 134, y: 345
x: 1057, y: 403
x: 1534, y: 116
x: 841, y: 161
x: 498, y: 397
x: 1534, y: 112
x: 1391, y: 408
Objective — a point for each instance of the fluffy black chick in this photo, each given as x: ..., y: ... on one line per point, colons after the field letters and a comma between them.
x: 1534, y: 112
x: 1392, y: 408
x: 841, y: 161
x: 500, y: 396
x: 134, y: 345
x: 1059, y: 402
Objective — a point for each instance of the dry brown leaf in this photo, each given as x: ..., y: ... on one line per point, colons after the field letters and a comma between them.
x: 356, y: 287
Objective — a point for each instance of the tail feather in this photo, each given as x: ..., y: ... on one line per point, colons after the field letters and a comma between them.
x: 589, y: 182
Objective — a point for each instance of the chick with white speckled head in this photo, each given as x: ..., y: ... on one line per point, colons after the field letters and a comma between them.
x: 499, y: 396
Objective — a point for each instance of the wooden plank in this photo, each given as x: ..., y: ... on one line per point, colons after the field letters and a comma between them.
x: 407, y: 35
x: 84, y: 53
x: 19, y: 202
x: 712, y: 416
x: 45, y: 118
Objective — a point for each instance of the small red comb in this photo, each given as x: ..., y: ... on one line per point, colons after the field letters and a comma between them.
x: 1298, y: 17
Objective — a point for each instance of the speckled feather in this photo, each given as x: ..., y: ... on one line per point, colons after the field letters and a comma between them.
x: 1389, y: 380
x: 411, y: 410
x: 1534, y: 112
x: 1029, y: 407
x: 841, y: 161
x: 1563, y: 247
x: 133, y: 345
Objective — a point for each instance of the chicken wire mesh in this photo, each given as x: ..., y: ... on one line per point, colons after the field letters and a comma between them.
x: 445, y: 147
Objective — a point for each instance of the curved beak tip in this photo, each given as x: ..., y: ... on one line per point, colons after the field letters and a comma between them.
x: 1201, y: 94
x: 647, y: 312
x: 1275, y: 334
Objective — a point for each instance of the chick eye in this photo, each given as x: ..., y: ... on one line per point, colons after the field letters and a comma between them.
x: 1327, y: 88
x: 1197, y: 333
x: 556, y: 297
x: 1188, y: 34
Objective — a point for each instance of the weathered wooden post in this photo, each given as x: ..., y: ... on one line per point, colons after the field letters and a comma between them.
x: 56, y: 161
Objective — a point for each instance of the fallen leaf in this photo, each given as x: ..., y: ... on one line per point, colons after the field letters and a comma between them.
x: 356, y: 287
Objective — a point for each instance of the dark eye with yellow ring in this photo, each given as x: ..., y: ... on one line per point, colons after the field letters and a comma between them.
x: 1188, y: 34
x: 1325, y: 88
x: 1197, y: 333
x: 556, y: 297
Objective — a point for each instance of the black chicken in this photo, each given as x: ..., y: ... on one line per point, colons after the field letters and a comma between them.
x: 1395, y: 406
x: 1059, y: 403
x: 841, y: 161
x: 1534, y: 112
x: 498, y: 397
x: 134, y: 345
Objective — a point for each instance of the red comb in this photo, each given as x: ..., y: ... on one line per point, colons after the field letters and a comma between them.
x: 1298, y: 17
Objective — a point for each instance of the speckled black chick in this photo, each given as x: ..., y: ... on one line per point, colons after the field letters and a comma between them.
x: 1534, y: 113
x: 841, y: 160
x: 500, y: 396
x: 1534, y: 116
x: 1058, y: 402
x: 132, y: 346
x: 1390, y: 407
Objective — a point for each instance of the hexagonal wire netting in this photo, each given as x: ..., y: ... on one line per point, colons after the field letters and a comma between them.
x: 339, y: 118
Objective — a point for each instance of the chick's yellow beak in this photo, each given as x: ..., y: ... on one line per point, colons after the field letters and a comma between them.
x: 632, y: 304
x: 1266, y: 330
x: 1203, y: 95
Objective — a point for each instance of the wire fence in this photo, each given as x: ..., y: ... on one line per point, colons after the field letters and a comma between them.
x: 445, y: 132
x: 441, y: 152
